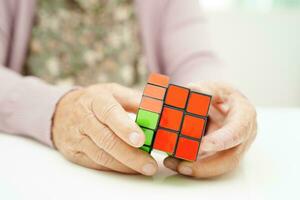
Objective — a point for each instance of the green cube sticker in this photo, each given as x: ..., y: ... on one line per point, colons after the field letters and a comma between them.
x: 149, y: 136
x: 146, y: 148
x: 147, y: 119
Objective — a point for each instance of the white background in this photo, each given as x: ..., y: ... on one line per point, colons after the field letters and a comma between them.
x: 260, y: 46
x: 262, y: 54
x: 270, y: 170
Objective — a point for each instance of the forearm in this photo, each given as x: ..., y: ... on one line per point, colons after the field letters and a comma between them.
x: 27, y: 105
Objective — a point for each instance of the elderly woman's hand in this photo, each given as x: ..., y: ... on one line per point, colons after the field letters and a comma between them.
x: 231, y: 130
x: 92, y: 128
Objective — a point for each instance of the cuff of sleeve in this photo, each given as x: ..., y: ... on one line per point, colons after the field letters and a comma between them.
x: 29, y: 107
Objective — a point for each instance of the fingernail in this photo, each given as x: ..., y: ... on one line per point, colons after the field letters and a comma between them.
x: 185, y: 170
x: 135, y: 138
x: 148, y: 169
x: 172, y: 164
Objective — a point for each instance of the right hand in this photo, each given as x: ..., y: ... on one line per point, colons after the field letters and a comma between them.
x: 92, y: 128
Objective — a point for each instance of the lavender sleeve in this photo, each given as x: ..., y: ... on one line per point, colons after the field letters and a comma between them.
x: 176, y: 41
x: 27, y: 105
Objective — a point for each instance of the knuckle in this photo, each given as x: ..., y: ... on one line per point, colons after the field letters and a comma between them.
x: 76, y: 155
x: 72, y: 155
x: 103, y: 158
x: 102, y: 135
x: 100, y: 156
x: 111, y: 144
x: 107, y: 161
x: 109, y: 111
x: 132, y: 158
x: 80, y: 145
x: 107, y: 139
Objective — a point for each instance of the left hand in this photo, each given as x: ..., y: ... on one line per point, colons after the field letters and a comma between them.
x: 231, y: 130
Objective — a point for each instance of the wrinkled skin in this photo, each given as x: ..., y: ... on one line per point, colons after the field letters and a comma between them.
x: 91, y: 127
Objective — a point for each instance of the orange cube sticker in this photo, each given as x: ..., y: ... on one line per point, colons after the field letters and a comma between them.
x: 165, y: 140
x: 187, y: 149
x: 159, y: 79
x: 198, y: 104
x: 171, y: 118
x: 177, y: 96
x: 151, y: 104
x: 154, y: 91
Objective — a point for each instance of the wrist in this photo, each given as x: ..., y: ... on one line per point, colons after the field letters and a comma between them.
x: 63, y: 100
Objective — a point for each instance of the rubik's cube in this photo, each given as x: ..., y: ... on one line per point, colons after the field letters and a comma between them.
x: 172, y: 117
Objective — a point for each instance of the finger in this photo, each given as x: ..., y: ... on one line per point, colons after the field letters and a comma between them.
x: 110, y: 112
x: 216, y: 117
x: 102, y: 158
x: 172, y: 162
x: 212, y: 166
x: 219, y: 91
x: 235, y: 130
x: 130, y: 99
x: 132, y: 157
x: 81, y: 158
x: 237, y: 124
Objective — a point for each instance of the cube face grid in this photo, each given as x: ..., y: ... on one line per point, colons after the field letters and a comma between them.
x: 187, y: 149
x: 177, y: 96
x: 165, y: 140
x: 172, y: 117
x: 193, y: 126
x: 198, y: 104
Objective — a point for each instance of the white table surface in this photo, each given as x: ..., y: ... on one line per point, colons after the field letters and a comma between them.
x: 270, y: 170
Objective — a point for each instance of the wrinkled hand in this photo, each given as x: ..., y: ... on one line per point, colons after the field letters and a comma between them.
x: 230, y: 132
x: 92, y: 128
